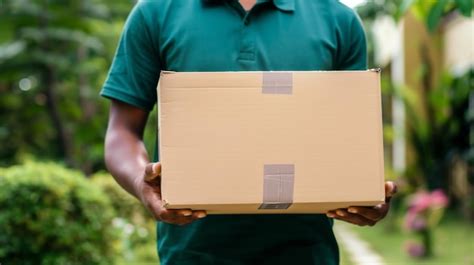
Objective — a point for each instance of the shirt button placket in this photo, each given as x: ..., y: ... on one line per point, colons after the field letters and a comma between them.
x: 247, y: 44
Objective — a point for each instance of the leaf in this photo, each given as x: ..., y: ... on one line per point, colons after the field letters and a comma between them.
x: 62, y: 34
x: 435, y: 14
x: 403, y: 8
x: 388, y: 133
x: 465, y: 7
x: 10, y: 50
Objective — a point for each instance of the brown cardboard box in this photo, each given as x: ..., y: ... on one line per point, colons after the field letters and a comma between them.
x: 270, y: 142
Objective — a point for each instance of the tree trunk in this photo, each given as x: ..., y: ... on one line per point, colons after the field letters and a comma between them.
x: 88, y: 107
x: 64, y: 138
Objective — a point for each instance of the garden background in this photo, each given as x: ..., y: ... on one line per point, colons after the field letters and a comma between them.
x: 59, y: 206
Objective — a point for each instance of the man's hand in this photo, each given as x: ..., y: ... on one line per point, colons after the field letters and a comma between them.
x: 149, y: 192
x: 363, y: 216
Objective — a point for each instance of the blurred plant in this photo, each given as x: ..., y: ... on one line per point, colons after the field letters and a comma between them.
x: 54, y: 56
x: 415, y: 249
x: 53, y: 215
x: 135, y: 223
x: 438, y: 127
x: 439, y: 119
x: 383, y: 15
x: 425, y: 210
x: 431, y: 12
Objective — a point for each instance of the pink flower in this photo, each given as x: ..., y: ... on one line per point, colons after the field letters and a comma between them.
x: 415, y: 222
x: 415, y: 249
x: 418, y: 224
x: 421, y: 201
x: 439, y: 199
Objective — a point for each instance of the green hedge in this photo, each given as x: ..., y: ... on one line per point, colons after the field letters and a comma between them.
x: 124, y: 204
x: 136, y: 225
x: 52, y: 215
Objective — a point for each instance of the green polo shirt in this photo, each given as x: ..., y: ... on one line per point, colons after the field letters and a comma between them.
x: 219, y: 35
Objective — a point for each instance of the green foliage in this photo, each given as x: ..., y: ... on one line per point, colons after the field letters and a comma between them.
x: 435, y: 14
x: 404, y: 7
x: 439, y: 119
x: 465, y: 7
x: 54, y: 57
x: 453, y: 243
x: 135, y: 224
x: 440, y: 131
x: 432, y: 12
x: 53, y: 215
x: 429, y: 11
x: 124, y: 204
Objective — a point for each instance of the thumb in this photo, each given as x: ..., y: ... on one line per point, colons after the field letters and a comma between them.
x: 157, y: 168
x: 390, y: 189
x: 152, y: 171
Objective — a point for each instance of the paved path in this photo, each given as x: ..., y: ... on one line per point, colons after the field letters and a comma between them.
x: 358, y: 250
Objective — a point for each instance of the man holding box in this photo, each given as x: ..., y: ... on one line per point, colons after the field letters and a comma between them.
x: 226, y: 35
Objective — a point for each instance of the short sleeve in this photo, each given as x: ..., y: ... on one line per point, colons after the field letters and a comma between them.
x: 135, y: 69
x: 353, y: 49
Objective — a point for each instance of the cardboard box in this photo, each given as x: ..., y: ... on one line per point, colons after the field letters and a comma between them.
x: 270, y: 142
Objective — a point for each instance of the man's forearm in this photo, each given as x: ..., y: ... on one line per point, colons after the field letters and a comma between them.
x: 126, y: 158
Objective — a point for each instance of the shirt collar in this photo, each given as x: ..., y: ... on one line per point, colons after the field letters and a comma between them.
x: 284, y: 5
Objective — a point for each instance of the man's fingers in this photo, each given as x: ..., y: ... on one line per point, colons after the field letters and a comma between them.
x: 356, y: 219
x: 181, y: 217
x: 372, y: 213
x: 183, y: 212
x: 157, y: 168
x: 199, y: 214
x: 152, y: 171
x: 390, y: 190
x: 149, y: 169
x: 366, y: 215
x: 155, y: 207
x: 178, y: 216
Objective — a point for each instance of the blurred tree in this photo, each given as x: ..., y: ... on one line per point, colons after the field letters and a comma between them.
x: 439, y: 124
x: 442, y: 136
x: 429, y: 11
x: 54, y: 56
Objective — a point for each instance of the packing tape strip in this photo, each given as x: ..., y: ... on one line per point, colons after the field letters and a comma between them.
x: 278, y: 185
x: 277, y: 83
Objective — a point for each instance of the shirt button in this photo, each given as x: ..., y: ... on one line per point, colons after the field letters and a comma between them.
x: 246, y: 19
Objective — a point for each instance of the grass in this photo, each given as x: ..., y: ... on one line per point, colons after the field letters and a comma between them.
x: 453, y: 243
